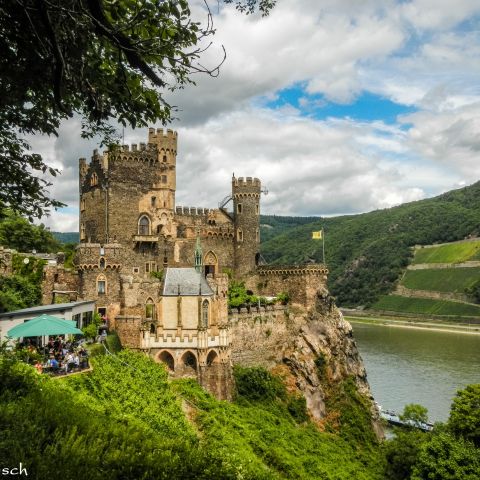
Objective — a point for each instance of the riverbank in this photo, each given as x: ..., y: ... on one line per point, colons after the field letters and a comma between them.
x: 415, y: 324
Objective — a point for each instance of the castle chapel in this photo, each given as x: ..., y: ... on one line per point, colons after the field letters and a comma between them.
x: 158, y: 271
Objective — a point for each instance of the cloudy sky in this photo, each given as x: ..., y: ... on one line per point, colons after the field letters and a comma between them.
x: 338, y: 106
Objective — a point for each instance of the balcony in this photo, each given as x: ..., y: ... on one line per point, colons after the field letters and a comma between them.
x: 145, y: 238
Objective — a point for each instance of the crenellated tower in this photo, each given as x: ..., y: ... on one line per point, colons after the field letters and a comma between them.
x: 246, y: 211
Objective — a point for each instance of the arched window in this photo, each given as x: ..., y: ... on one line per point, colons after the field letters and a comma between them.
x: 205, y: 314
x: 102, y: 263
x: 154, y: 201
x: 94, y: 179
x: 101, y: 285
x: 164, y: 158
x: 239, y: 208
x: 150, y: 309
x: 144, y: 226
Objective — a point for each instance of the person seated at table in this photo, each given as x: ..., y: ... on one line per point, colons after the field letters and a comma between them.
x: 68, y: 362
x: 83, y: 355
x: 76, y: 360
x: 38, y: 367
x: 53, y: 363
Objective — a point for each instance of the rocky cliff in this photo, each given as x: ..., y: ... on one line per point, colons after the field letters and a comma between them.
x: 313, y: 350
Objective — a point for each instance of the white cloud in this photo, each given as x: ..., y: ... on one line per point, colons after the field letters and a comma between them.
x: 420, y: 53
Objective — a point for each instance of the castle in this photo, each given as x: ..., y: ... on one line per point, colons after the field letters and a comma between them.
x: 158, y: 271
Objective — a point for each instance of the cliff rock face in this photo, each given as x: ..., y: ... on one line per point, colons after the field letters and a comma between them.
x: 313, y: 350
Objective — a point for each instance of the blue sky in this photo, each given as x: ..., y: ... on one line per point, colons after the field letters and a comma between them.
x: 338, y: 106
x: 367, y: 106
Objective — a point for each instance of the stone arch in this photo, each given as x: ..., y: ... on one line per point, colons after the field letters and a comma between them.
x: 189, y: 360
x: 212, y: 358
x: 167, y: 358
x: 144, y: 225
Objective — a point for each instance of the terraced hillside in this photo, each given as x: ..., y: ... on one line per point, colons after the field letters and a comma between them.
x: 367, y: 254
x: 441, y: 280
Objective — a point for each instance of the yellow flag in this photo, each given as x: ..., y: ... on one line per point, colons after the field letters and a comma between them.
x: 317, y: 235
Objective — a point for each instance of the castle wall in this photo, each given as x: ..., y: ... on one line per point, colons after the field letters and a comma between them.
x: 59, y: 285
x: 129, y: 330
x: 258, y: 335
x: 6, y: 258
x: 301, y: 282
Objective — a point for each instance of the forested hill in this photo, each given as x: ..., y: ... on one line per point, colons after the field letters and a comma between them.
x: 366, y: 253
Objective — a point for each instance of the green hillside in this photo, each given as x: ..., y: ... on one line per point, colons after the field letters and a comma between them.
x: 452, y: 253
x: 366, y: 253
x: 67, y: 237
x: 126, y: 420
x: 442, y: 280
x: 396, y: 303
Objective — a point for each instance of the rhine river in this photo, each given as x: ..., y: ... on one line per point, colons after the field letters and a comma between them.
x: 417, y: 366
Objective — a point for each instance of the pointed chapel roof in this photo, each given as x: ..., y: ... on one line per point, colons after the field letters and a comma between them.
x: 185, y: 281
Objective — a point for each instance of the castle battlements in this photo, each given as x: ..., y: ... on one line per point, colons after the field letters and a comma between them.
x: 180, y: 210
x: 164, y: 139
x: 246, y: 182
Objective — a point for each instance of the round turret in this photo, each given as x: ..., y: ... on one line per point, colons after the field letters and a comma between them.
x: 246, y: 211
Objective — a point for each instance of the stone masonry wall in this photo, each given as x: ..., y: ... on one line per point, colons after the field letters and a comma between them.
x: 128, y: 330
x: 301, y: 282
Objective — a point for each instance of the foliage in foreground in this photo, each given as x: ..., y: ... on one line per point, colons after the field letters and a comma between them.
x: 447, y: 453
x: 267, y: 433
x: 125, y: 420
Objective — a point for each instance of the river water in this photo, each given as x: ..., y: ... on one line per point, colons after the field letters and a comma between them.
x: 417, y: 366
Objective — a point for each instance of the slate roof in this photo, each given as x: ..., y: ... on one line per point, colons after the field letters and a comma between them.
x: 185, y: 281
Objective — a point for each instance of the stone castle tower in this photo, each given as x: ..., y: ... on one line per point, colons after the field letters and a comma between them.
x: 246, y: 207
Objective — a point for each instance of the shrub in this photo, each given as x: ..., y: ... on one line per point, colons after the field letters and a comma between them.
x: 258, y: 384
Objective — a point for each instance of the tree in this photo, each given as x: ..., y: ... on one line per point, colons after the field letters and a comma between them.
x: 402, y: 452
x: 99, y: 59
x: 445, y: 457
x: 464, y: 418
x: 18, y: 233
x: 414, y: 413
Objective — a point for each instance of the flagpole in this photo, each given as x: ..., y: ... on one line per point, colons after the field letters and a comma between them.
x: 323, y: 245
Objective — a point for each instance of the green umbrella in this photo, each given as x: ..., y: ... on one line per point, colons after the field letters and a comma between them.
x: 44, y: 325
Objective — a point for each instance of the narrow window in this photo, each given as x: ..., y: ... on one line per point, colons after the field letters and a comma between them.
x: 240, y: 235
x: 102, y: 263
x: 150, y: 309
x: 257, y: 209
x: 164, y: 179
x: 239, y: 208
x: 154, y: 201
x: 147, y: 267
x: 101, y: 286
x: 102, y: 250
x: 82, y: 231
x: 205, y: 314
x: 164, y: 158
x: 257, y: 235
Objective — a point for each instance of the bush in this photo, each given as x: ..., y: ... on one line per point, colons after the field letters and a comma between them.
x: 258, y: 384
x: 297, y: 407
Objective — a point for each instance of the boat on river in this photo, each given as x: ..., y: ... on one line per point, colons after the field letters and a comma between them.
x: 394, y: 419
